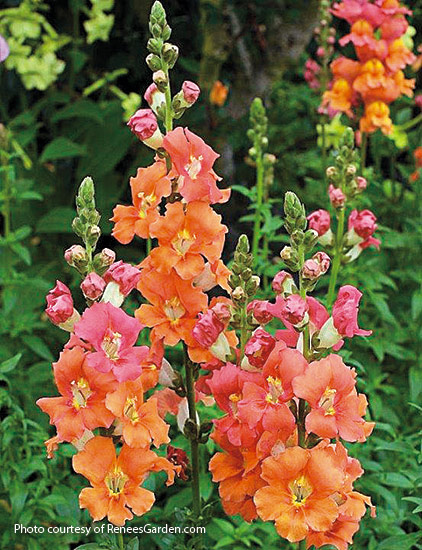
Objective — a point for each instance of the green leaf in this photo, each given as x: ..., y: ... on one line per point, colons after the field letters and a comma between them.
x: 415, y: 382
x: 89, y: 546
x: 58, y: 220
x: 61, y: 148
x: 18, y: 496
x: 399, y: 542
x: 394, y: 479
x: 10, y: 364
x: 38, y: 346
x: 22, y: 252
x: 133, y: 544
x: 81, y: 109
x: 416, y: 304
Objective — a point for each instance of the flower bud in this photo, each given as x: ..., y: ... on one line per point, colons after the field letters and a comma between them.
x: 153, y: 62
x: 170, y: 54
x: 311, y: 270
x: 324, y: 261
x: 93, y: 286
x: 190, y: 91
x: 75, y: 255
x: 207, y: 329
x: 238, y: 293
x: 361, y: 183
x: 60, y: 308
x: 283, y: 283
x: 106, y: 257
x: 337, y: 197
x: 160, y: 79
x: 331, y: 172
x: 145, y: 127
x: 259, y: 347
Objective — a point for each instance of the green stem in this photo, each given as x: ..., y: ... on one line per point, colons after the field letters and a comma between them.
x: 324, y: 145
x: 363, y: 150
x: 149, y: 246
x: 301, y: 545
x: 337, y: 258
x: 194, y: 444
x: 411, y: 123
x: 168, y: 123
x: 258, y: 213
x: 120, y: 540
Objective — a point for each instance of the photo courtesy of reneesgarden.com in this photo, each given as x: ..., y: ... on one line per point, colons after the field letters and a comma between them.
x: 210, y: 275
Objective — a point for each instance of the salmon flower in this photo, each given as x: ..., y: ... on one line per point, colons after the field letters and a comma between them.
x: 362, y: 34
x: 112, y: 333
x: 238, y: 473
x: 301, y: 483
x: 399, y: 56
x: 141, y: 423
x: 174, y: 305
x: 187, y: 234
x: 193, y: 160
x: 328, y: 386
x: 115, y: 489
x: 81, y: 405
x: 148, y: 188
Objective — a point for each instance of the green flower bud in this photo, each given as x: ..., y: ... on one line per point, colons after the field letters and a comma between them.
x: 153, y: 62
x: 160, y: 80
x: 170, y: 54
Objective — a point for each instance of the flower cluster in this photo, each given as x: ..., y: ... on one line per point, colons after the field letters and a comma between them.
x: 285, y: 396
x: 376, y: 78
x: 102, y: 376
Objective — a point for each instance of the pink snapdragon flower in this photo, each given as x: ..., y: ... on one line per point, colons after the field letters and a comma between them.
x: 145, y: 127
x: 93, y: 286
x: 283, y: 283
x: 190, y: 91
x: 337, y: 197
x: 207, y: 329
x: 291, y: 309
x: 320, y: 222
x: 125, y: 275
x: 113, y: 334
x: 362, y: 225
x: 260, y: 311
x: 259, y: 347
x: 60, y: 308
x: 4, y: 49
x: 344, y: 319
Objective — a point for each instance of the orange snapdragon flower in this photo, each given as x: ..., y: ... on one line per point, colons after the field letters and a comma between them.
x: 218, y: 93
x: 301, y: 483
x: 142, y: 424
x: 187, y: 234
x: 148, y: 188
x: 239, y: 474
x: 116, y: 491
x: 340, y: 96
x: 377, y: 115
x: 174, y: 305
x: 83, y: 390
x: 399, y: 56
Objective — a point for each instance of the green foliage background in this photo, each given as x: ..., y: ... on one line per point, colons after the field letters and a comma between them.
x: 64, y: 114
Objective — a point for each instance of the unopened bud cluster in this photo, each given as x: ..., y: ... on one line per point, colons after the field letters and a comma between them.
x: 243, y: 283
x: 85, y: 225
x: 344, y: 183
x: 302, y: 240
x: 257, y: 132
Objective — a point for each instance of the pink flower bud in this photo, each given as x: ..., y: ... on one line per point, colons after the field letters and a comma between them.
x: 259, y: 309
x: 418, y: 101
x: 143, y: 124
x: 324, y: 261
x: 282, y: 283
x: 337, y: 197
x: 259, y: 347
x: 363, y: 223
x: 76, y: 253
x: 190, y: 91
x: 320, y: 221
x: 207, y: 329
x: 93, y: 286
x: 149, y: 93
x: 59, y: 304
x: 345, y: 312
x: 331, y: 39
x: 311, y: 270
x: 222, y: 312
x: 320, y: 51
x: 361, y: 183
x: 125, y: 275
